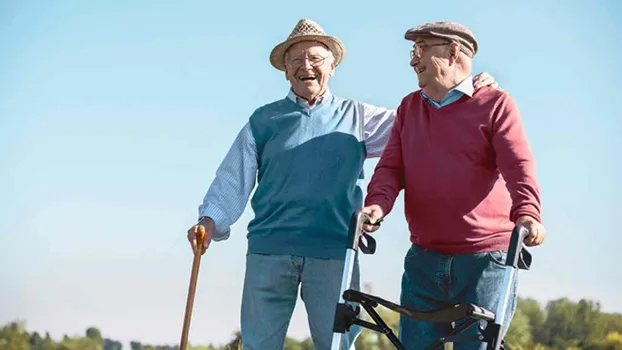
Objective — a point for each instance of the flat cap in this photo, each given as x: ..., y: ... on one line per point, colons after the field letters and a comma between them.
x: 447, y: 30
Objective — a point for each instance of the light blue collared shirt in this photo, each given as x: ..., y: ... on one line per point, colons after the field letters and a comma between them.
x: 235, y: 179
x: 453, y: 95
x: 301, y: 101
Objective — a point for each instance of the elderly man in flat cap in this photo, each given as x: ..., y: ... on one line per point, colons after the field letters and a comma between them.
x: 306, y: 153
x: 463, y: 160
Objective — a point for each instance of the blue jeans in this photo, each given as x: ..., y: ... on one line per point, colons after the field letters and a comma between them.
x: 432, y: 280
x: 270, y: 292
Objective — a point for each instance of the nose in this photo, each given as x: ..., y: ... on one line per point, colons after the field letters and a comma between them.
x: 306, y: 63
x: 414, y: 61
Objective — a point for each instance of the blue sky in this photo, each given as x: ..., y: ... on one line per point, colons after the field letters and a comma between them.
x: 114, y: 117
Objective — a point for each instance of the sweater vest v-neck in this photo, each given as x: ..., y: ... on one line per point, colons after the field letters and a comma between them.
x: 309, y: 178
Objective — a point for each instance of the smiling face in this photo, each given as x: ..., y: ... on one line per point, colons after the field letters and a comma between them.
x: 308, y: 66
x: 430, y: 59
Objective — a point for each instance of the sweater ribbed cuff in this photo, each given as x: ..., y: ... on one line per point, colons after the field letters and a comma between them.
x: 383, y: 204
x: 529, y: 210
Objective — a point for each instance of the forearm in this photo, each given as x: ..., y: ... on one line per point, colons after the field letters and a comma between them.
x: 517, y: 164
x: 384, y: 188
x: 388, y: 178
x: 524, y: 190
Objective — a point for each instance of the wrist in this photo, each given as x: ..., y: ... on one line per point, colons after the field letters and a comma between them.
x: 206, y: 220
x: 527, y: 213
x: 379, y: 209
x: 529, y: 220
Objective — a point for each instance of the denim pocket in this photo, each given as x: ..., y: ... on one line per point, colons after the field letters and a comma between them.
x: 498, y: 258
x: 413, y: 253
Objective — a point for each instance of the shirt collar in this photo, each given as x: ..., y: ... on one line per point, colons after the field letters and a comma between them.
x: 301, y: 101
x: 465, y: 87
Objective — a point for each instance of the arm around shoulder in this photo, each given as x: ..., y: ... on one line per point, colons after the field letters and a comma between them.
x: 378, y: 125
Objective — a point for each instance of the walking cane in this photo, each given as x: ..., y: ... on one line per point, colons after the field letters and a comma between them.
x: 193, y: 285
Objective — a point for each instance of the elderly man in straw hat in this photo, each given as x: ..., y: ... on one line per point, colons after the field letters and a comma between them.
x: 469, y: 177
x: 306, y: 152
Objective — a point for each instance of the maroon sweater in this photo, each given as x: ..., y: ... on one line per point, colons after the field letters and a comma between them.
x: 466, y: 169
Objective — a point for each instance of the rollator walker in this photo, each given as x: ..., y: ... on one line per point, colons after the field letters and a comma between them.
x: 346, y: 314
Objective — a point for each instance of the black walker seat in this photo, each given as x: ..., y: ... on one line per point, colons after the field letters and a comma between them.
x: 346, y: 314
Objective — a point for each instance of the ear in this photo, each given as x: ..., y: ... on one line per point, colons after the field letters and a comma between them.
x: 454, y: 52
x: 332, y: 69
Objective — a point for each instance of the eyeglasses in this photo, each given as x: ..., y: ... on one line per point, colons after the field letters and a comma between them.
x: 418, y: 49
x: 314, y: 61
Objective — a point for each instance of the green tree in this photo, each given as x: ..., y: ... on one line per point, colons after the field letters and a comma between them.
x: 36, y: 341
x: 79, y: 343
x: 307, y: 344
x: 571, y: 324
x: 613, y: 341
x: 559, y: 326
x: 110, y: 344
x: 209, y: 347
x: 366, y: 340
x: 591, y: 324
x: 14, y: 336
x: 48, y: 342
x: 613, y: 323
x: 531, y: 308
x: 519, y: 334
x: 94, y: 334
x: 236, y: 342
x: 292, y: 344
x: 392, y: 319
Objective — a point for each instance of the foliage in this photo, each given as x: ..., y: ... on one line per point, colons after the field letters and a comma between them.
x: 563, y: 324
x: 560, y: 324
x: 520, y: 334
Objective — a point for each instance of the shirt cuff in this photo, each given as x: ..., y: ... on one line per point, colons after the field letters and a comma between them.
x: 222, y: 229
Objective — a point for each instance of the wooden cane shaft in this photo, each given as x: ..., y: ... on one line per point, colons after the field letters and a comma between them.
x: 192, y: 288
x: 190, y: 300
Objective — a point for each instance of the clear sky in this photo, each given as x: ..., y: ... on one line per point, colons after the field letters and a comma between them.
x: 115, y: 115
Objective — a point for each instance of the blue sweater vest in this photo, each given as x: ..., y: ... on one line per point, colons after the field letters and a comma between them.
x: 309, y: 178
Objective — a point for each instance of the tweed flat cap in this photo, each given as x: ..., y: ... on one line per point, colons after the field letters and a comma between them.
x: 447, y: 30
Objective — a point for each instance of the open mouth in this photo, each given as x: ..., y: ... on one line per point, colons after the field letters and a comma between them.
x: 307, y: 77
x: 420, y: 70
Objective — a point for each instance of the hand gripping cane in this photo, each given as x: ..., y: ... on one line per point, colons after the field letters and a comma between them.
x: 200, y: 237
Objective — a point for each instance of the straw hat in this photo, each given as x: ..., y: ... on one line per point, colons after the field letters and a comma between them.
x: 305, y: 30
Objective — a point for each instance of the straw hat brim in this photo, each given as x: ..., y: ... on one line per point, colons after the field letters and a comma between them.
x: 277, y: 56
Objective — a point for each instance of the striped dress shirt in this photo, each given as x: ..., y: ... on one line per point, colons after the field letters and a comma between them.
x: 236, y: 176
